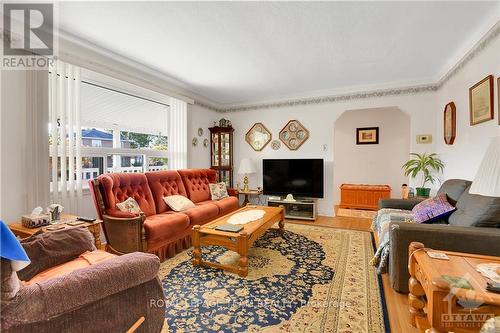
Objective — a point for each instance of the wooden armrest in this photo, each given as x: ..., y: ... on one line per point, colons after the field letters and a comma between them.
x: 125, y: 235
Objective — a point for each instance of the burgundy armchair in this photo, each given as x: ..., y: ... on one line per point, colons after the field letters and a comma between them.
x: 90, y: 299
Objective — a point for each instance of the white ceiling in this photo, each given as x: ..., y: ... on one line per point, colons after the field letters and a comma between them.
x: 247, y: 52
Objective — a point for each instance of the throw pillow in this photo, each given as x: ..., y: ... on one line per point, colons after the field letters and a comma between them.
x: 432, y: 208
x: 129, y: 205
x: 218, y: 191
x: 178, y: 203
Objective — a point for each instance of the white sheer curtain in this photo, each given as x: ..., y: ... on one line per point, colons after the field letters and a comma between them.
x: 177, y: 134
x: 65, y: 133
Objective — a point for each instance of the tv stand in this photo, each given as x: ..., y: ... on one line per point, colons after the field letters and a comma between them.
x: 300, y: 209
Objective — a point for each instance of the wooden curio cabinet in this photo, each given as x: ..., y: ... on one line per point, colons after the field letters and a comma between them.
x: 221, y: 153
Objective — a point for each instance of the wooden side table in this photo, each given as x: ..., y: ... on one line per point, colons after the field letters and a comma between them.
x: 440, y: 307
x: 248, y: 194
x: 94, y: 227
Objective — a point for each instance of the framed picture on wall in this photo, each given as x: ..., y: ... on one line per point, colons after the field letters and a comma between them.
x: 450, y: 123
x: 367, y: 136
x: 481, y: 101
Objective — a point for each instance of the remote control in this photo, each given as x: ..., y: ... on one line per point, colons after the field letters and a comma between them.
x: 85, y: 219
x: 494, y: 287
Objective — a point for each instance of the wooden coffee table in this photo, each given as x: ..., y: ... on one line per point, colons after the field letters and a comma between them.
x: 239, y: 242
x: 437, y: 306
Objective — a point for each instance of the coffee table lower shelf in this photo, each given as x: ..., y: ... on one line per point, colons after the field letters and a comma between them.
x: 239, y: 242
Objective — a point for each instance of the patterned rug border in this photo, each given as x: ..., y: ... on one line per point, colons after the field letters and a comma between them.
x: 331, y: 226
x: 387, y: 323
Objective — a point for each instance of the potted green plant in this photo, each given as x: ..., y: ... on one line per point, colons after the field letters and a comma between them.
x: 429, y: 165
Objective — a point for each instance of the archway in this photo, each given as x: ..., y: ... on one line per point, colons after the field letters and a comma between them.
x: 375, y: 163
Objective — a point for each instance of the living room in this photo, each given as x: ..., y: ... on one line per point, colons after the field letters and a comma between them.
x: 309, y: 130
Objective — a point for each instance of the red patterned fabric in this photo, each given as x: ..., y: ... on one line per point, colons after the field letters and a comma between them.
x: 169, y: 249
x: 226, y: 205
x: 118, y: 187
x: 118, y: 213
x: 162, y: 184
x: 163, y: 227
x: 202, y: 214
x: 196, y: 183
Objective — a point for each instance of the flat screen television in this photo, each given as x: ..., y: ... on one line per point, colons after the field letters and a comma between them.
x: 300, y: 177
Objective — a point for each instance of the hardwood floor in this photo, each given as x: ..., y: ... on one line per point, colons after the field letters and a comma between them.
x: 397, y: 304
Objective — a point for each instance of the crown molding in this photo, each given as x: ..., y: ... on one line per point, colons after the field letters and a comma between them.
x: 478, y: 47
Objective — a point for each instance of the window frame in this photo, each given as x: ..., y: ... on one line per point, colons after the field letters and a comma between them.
x: 107, y: 82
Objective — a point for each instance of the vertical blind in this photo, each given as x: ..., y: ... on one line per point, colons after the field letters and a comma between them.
x: 178, y: 134
x: 65, y: 132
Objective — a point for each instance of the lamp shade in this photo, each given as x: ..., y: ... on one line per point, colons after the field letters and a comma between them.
x: 246, y: 167
x: 487, y: 180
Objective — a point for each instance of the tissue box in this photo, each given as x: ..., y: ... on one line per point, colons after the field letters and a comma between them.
x: 29, y: 221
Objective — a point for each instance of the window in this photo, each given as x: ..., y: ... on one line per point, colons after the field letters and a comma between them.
x: 96, y: 143
x: 120, y: 132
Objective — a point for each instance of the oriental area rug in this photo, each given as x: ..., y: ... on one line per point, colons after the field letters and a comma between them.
x: 310, y: 279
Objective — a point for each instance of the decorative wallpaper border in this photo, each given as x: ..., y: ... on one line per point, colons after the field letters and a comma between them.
x: 336, y: 98
x: 410, y: 90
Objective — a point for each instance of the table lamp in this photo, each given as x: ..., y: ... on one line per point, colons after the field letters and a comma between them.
x: 246, y: 168
x: 487, y: 180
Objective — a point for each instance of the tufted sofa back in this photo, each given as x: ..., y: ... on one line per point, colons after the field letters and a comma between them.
x: 118, y: 187
x: 162, y: 184
x: 196, y: 183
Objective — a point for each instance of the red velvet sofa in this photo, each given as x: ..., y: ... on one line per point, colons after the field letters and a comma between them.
x: 157, y: 229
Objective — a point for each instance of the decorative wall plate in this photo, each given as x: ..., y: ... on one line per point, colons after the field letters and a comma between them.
x: 294, y: 134
x: 194, y: 142
x: 258, y: 136
x: 205, y: 143
x: 276, y: 144
x: 200, y: 131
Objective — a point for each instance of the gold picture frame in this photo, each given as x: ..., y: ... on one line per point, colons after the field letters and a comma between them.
x: 258, y: 136
x: 367, y: 135
x: 481, y: 101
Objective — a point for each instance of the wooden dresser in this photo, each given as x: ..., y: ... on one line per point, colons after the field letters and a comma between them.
x: 360, y: 196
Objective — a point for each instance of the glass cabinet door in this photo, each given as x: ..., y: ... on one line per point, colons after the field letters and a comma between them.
x: 224, y: 176
x: 225, y: 149
x: 215, y: 149
x: 221, y: 158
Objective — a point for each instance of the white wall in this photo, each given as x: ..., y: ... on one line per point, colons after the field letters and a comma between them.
x: 320, y: 119
x: 371, y: 164
x: 24, y: 144
x: 13, y: 192
x: 462, y: 159
x: 199, y: 117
